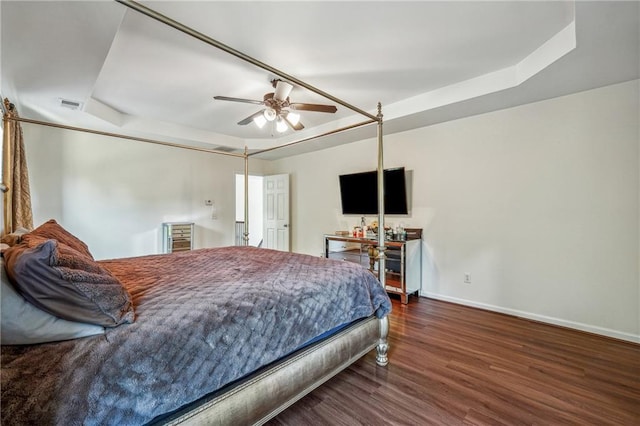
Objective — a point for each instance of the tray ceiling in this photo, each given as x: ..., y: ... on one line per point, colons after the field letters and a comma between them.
x: 137, y: 76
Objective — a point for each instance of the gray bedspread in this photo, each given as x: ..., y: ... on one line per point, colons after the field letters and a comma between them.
x: 203, y: 319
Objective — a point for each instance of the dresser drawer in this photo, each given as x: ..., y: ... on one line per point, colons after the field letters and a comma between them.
x: 181, y: 233
x: 346, y: 255
x: 181, y: 245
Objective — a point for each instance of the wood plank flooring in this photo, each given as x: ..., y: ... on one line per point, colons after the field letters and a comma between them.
x: 454, y: 365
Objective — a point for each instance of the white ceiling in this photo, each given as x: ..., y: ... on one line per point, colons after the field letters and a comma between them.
x: 426, y: 62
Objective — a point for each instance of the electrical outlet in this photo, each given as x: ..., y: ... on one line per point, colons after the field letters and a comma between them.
x: 467, y: 278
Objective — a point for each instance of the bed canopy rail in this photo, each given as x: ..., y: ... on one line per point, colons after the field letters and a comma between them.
x: 121, y: 136
x: 310, y: 138
x: 370, y: 119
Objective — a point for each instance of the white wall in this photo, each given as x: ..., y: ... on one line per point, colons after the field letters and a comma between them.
x: 539, y: 203
x: 114, y: 194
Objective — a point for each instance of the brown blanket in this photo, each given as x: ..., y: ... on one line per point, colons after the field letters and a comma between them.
x: 203, y: 319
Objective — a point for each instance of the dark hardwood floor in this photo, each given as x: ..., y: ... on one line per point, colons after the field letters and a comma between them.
x: 451, y: 365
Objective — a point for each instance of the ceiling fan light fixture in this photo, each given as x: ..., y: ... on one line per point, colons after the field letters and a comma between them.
x: 281, y: 126
x: 279, y: 108
x: 260, y: 120
x: 294, y: 118
x: 270, y: 114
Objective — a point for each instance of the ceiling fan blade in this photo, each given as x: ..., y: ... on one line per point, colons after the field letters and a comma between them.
x: 250, y: 118
x: 297, y: 126
x: 246, y: 101
x: 283, y: 89
x: 314, y: 107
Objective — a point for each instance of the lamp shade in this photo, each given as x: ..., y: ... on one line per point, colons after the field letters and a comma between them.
x: 260, y: 120
x: 281, y: 126
x: 294, y: 118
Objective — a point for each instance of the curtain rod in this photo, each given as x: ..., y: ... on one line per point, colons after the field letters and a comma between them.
x: 215, y: 43
x: 116, y: 135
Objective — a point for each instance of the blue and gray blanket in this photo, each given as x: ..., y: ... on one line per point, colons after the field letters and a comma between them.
x: 203, y: 320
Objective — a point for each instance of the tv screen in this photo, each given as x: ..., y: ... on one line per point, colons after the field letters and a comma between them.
x: 359, y: 192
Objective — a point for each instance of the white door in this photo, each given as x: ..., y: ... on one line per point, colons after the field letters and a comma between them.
x: 276, y: 212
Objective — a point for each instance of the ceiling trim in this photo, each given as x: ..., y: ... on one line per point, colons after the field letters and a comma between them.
x: 553, y: 49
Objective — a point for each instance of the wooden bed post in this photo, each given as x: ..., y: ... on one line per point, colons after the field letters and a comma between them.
x: 7, y: 219
x: 246, y: 196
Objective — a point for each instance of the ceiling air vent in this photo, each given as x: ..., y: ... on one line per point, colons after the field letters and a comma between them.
x: 225, y: 149
x: 67, y: 103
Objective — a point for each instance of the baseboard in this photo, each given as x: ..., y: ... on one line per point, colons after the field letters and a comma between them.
x: 541, y: 318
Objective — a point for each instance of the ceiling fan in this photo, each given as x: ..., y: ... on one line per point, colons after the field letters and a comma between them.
x: 278, y: 108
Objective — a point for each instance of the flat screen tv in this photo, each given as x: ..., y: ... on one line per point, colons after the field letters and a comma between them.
x: 359, y: 192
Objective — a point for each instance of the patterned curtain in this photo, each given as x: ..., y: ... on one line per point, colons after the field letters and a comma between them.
x: 20, y: 215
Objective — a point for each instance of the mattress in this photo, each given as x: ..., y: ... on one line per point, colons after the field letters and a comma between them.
x: 204, y: 319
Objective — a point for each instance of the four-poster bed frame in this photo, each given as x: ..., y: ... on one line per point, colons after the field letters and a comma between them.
x: 264, y: 394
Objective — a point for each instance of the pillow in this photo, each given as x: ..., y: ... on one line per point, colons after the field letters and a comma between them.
x: 52, y: 230
x: 63, y: 282
x: 14, y: 237
x: 21, y: 323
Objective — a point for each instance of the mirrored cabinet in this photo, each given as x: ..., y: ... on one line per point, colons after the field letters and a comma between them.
x: 177, y: 236
x: 402, y: 265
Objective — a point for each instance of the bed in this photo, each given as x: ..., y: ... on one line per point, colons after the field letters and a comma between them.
x: 178, y: 372
x: 206, y: 321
